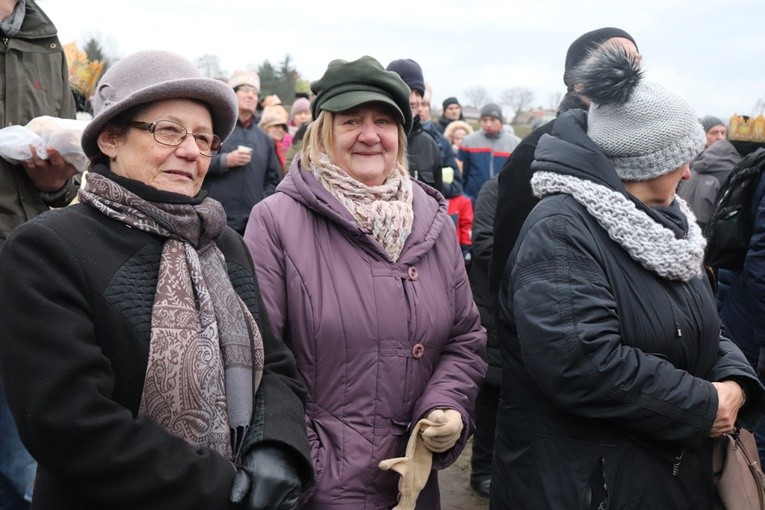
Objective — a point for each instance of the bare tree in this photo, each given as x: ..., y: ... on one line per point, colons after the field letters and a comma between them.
x: 209, y: 66
x: 517, y: 98
x: 759, y: 107
x: 555, y: 99
x: 477, y: 96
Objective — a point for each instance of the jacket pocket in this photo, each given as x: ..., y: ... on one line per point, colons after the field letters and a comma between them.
x: 597, y: 490
x: 577, y: 475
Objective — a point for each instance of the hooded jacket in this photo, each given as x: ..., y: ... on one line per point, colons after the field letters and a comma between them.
x: 607, y: 399
x: 378, y: 343
x: 33, y: 82
x: 708, y: 171
x: 743, y: 307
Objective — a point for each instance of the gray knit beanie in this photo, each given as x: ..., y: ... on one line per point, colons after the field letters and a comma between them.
x: 644, y: 128
x: 710, y: 121
x: 492, y: 110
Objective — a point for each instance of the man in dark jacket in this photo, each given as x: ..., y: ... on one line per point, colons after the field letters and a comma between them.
x: 423, y: 152
x: 488, y: 395
x: 452, y: 111
x: 34, y: 80
x: 247, y: 169
x: 451, y: 186
x: 741, y: 295
x: 515, y: 199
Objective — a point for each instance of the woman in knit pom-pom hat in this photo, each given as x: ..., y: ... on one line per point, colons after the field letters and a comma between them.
x: 619, y: 377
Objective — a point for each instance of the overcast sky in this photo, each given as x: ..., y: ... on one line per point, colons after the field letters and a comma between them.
x: 711, y: 51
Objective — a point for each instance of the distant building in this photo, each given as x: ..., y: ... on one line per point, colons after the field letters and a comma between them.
x: 536, y: 116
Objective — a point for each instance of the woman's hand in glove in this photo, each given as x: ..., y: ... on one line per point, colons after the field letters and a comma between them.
x: 446, y: 431
x: 266, y: 480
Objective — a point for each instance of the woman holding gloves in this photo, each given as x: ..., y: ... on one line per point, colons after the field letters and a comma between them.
x: 363, y: 278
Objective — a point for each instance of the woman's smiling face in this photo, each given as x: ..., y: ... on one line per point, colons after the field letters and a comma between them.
x: 366, y: 143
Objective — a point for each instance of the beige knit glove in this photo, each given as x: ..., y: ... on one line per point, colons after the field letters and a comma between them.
x: 445, y: 432
x: 414, y: 468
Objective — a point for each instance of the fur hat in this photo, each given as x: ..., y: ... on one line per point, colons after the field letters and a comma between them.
x: 644, y: 128
x: 454, y: 126
x: 581, y: 47
x: 710, y: 121
x: 239, y: 78
x: 346, y: 85
x: 274, y: 115
x: 492, y: 110
x: 449, y: 101
x: 410, y: 71
x: 148, y: 76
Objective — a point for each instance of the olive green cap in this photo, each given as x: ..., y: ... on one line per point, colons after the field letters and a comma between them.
x: 346, y: 85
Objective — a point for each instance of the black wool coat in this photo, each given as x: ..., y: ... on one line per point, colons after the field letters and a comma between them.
x: 76, y: 294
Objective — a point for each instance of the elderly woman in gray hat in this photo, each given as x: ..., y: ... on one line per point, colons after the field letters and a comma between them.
x: 136, y: 353
x: 363, y: 277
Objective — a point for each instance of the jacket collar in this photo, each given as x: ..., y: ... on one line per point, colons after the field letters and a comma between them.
x: 429, y: 213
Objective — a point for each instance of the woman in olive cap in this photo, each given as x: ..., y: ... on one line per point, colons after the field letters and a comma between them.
x: 363, y: 277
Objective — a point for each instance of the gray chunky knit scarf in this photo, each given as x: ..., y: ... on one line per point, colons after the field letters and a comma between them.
x: 206, y: 351
x: 385, y: 210
x: 654, y: 246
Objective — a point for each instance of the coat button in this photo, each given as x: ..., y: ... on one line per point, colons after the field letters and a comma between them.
x: 413, y: 273
x: 418, y: 350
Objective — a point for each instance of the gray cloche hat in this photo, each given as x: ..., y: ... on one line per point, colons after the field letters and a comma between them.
x: 147, y: 76
x: 346, y: 85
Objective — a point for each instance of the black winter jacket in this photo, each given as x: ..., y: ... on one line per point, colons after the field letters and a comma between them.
x: 424, y: 156
x: 481, y: 250
x: 606, y: 394
x: 76, y: 296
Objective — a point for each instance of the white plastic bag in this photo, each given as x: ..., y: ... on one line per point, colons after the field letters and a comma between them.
x: 64, y: 135
x: 15, y: 142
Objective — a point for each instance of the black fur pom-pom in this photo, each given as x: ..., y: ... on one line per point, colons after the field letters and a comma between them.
x: 609, y: 74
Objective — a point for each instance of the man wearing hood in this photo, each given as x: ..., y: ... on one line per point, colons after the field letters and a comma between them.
x: 515, y: 199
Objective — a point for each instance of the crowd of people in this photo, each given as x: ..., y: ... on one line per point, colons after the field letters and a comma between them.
x: 315, y: 303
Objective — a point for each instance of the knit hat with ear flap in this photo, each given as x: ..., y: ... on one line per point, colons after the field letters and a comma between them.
x: 644, y: 128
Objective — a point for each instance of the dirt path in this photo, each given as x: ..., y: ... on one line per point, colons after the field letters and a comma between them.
x: 454, y: 481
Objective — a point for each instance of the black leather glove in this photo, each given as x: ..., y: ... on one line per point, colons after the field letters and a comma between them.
x: 266, y: 480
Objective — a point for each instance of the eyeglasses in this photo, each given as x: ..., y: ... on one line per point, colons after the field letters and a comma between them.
x: 249, y: 89
x: 173, y: 134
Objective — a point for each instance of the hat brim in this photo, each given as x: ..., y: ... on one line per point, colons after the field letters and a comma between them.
x: 219, y: 97
x: 353, y: 98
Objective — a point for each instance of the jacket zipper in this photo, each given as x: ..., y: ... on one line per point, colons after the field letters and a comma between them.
x: 678, y: 460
